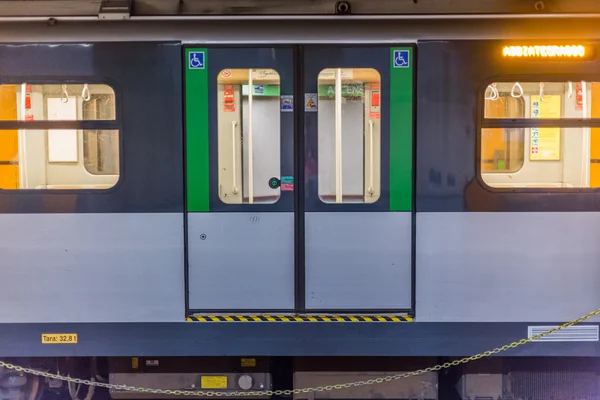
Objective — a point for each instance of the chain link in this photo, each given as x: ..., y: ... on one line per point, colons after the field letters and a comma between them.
x: 211, y: 393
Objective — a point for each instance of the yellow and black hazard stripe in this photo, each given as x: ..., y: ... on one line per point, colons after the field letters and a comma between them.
x: 299, y: 318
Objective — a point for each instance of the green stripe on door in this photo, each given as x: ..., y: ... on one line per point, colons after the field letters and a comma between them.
x: 196, y: 129
x: 401, y: 128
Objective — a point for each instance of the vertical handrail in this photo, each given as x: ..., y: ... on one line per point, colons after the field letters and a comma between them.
x: 570, y: 92
x: 371, y: 160
x: 338, y: 136
x: 22, y: 162
x: 234, y: 189
x: 250, y: 150
x: 585, y: 156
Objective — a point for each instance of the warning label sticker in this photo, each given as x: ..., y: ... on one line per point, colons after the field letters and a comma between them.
x: 310, y: 102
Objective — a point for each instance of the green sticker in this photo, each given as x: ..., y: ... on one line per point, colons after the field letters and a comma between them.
x: 286, y: 180
x: 262, y: 90
x: 348, y: 91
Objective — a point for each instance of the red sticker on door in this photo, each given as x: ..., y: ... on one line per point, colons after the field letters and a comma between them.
x: 228, y: 99
x: 579, y: 97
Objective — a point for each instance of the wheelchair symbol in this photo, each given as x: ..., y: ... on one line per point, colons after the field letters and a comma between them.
x: 196, y: 60
x: 401, y: 58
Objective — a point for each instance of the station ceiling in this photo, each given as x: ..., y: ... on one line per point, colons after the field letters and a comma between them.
x: 123, y: 9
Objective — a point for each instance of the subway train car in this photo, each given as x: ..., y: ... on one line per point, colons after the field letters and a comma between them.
x: 242, y: 205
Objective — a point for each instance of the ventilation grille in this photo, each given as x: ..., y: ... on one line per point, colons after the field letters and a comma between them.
x: 547, y: 385
x: 581, y: 333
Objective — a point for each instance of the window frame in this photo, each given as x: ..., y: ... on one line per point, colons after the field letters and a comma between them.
x: 527, y: 123
x: 82, y: 125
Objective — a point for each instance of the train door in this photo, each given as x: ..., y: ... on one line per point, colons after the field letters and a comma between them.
x: 239, y: 161
x: 358, y: 171
x: 299, y: 178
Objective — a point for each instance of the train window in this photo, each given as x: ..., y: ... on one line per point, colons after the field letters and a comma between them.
x: 502, y: 149
x: 100, y: 148
x: 101, y: 152
x: 248, y: 140
x: 29, y: 102
x: 51, y: 159
x: 61, y: 153
x: 515, y: 153
x: 349, y: 135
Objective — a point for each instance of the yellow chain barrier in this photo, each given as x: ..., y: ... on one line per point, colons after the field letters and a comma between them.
x: 296, y: 391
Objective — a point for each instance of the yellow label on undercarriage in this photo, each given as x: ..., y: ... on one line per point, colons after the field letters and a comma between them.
x: 213, y: 382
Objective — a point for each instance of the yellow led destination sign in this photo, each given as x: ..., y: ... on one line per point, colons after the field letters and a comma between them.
x: 574, y: 51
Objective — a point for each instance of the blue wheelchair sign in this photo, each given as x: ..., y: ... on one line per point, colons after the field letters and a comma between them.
x: 196, y: 60
x: 401, y: 59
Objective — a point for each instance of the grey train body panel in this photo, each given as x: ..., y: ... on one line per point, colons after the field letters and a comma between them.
x: 92, y: 267
x: 244, y: 261
x: 119, y: 257
x: 147, y: 81
x: 507, y: 267
x: 452, y: 78
x: 358, y: 260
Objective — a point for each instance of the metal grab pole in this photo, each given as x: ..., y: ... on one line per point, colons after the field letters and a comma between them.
x: 250, y: 150
x: 370, y: 189
x: 338, y: 136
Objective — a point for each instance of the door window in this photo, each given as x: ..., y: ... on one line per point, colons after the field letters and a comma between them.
x: 249, y: 135
x: 349, y: 135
